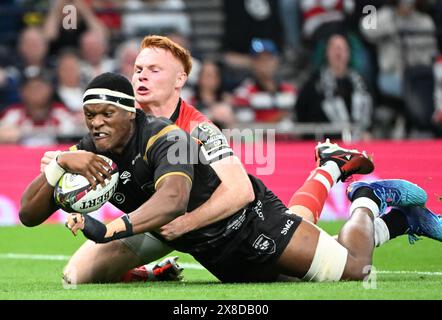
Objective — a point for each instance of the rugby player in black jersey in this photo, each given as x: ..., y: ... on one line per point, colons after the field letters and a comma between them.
x: 160, y: 71
x: 263, y: 241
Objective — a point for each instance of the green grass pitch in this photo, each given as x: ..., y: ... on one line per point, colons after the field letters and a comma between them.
x: 32, y: 259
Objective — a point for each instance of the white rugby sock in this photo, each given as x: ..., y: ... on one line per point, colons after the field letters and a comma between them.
x: 364, y: 202
x: 332, y: 168
x: 381, y: 232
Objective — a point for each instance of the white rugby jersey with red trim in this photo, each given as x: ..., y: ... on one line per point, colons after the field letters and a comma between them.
x: 34, y: 132
x: 266, y: 106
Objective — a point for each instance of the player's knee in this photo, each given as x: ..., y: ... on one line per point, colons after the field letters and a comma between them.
x: 69, y: 276
x: 73, y: 274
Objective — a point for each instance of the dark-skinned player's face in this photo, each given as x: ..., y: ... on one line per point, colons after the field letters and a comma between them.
x: 110, y: 127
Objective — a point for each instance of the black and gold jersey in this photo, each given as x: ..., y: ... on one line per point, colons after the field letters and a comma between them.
x: 157, y: 149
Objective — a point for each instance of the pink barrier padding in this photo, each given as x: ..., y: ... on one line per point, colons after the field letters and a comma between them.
x: 283, y: 167
x: 417, y: 161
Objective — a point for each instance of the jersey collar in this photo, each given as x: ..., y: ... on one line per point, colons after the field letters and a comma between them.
x: 176, y: 113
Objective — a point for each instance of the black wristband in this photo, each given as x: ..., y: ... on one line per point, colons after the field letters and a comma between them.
x: 128, y: 224
x: 96, y: 230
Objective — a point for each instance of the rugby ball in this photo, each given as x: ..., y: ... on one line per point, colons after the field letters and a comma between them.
x: 74, y: 193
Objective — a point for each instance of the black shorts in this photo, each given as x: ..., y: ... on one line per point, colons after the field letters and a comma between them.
x: 265, y: 230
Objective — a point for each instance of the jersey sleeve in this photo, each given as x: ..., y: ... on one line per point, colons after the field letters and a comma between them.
x: 213, y: 143
x: 169, y: 152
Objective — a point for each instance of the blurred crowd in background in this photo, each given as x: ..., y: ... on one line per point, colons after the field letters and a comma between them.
x: 350, y: 69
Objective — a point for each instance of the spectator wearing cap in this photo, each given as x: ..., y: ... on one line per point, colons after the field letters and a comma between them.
x: 336, y: 93
x: 264, y: 97
x: 37, y: 120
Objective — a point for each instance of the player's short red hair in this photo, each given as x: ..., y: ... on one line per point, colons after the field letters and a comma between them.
x: 182, y: 54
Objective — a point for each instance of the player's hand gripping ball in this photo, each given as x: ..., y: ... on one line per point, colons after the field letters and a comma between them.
x: 74, y: 193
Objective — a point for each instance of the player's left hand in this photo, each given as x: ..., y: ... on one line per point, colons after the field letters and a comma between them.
x: 176, y: 228
x: 75, y: 222
x: 47, y: 157
x: 96, y: 230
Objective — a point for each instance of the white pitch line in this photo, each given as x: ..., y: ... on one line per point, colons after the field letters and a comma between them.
x: 51, y: 257
x: 25, y: 256
x: 186, y: 265
x: 424, y: 273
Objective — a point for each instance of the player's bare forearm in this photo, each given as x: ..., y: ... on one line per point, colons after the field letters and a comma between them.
x: 234, y: 192
x: 37, y: 202
x: 216, y: 208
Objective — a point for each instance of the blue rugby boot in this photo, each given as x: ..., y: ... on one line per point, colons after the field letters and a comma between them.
x: 422, y: 222
x: 392, y: 192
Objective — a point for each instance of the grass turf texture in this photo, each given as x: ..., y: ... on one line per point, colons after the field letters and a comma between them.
x: 404, y: 272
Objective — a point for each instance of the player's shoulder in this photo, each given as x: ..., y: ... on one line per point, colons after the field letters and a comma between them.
x: 151, y: 126
x: 214, y: 144
x: 157, y: 132
x: 189, y: 116
x: 86, y: 143
x: 193, y: 112
x: 207, y: 133
x: 204, y: 130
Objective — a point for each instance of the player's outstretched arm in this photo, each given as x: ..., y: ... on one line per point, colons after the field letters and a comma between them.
x: 234, y: 192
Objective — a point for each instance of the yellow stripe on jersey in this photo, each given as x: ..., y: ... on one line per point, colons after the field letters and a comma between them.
x: 174, y: 173
x: 73, y: 148
x: 155, y: 137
